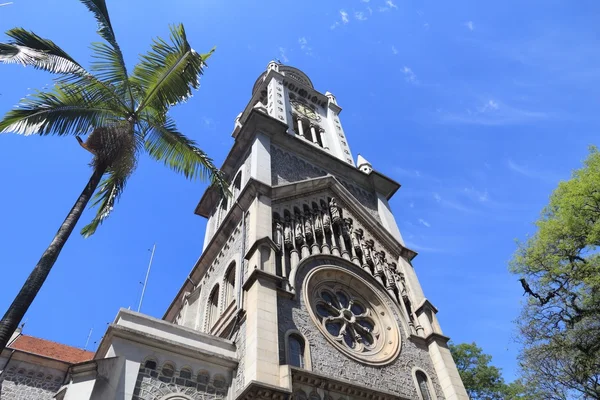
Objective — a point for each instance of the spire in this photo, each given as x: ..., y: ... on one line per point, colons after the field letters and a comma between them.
x: 363, y: 165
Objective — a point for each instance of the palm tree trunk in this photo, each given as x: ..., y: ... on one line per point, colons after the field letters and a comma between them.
x: 36, y: 278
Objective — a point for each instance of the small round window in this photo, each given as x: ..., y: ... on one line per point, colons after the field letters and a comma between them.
x: 352, y: 315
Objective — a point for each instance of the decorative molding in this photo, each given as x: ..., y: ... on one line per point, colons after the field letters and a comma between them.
x: 348, y: 388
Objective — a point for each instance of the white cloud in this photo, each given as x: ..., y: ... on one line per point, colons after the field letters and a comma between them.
x: 477, y: 195
x: 344, y: 15
x: 282, y: 55
x: 359, y: 15
x: 424, y: 223
x: 409, y: 75
x: 391, y: 4
x: 470, y: 25
x: 394, y: 50
x: 528, y: 172
x: 494, y: 112
x: 304, y: 46
x: 437, y: 197
x: 426, y: 26
x: 370, y: 10
x: 334, y: 25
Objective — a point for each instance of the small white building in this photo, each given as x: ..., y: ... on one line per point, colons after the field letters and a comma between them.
x: 305, y: 288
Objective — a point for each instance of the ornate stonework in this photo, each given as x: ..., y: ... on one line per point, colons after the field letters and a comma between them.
x: 351, y: 315
x: 18, y: 383
x: 154, y: 385
x: 327, y: 360
x: 287, y: 168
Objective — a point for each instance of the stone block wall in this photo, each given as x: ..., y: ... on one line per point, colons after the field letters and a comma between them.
x: 24, y: 381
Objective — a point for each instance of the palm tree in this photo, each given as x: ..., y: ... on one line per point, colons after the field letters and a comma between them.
x: 122, y: 114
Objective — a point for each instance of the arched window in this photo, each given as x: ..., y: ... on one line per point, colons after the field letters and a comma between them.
x: 296, y: 351
x: 168, y: 370
x: 237, y: 185
x: 213, y: 307
x: 423, y: 384
x: 230, y: 284
x: 185, y: 373
x: 150, y: 364
x: 203, y: 377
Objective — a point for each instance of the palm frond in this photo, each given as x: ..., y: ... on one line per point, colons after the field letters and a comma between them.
x: 65, y: 110
x: 169, y: 71
x: 165, y: 143
x: 111, y: 63
x: 27, y: 48
x: 110, y: 190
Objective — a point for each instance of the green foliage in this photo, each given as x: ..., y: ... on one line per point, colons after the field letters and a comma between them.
x: 560, y: 324
x: 122, y: 114
x: 482, y: 380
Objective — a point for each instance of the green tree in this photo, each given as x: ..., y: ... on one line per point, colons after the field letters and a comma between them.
x: 482, y: 380
x: 560, y: 272
x: 123, y: 115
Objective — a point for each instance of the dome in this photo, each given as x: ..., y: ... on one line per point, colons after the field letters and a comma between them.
x: 290, y: 72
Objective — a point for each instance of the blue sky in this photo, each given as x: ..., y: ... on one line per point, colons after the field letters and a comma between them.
x: 477, y: 108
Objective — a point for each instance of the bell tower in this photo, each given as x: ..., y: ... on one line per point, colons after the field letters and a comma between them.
x: 304, y: 268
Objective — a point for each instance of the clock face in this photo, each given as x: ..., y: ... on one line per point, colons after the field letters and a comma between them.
x: 305, y: 110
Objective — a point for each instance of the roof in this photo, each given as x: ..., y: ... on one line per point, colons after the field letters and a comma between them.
x: 46, y: 348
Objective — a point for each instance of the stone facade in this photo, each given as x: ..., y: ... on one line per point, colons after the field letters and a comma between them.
x: 326, y: 360
x: 154, y: 385
x: 25, y: 381
x: 288, y: 168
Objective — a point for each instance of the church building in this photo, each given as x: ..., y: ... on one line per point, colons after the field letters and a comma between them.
x: 304, y: 290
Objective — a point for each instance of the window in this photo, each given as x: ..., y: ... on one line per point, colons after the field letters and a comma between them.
x: 213, y: 307
x: 423, y: 385
x: 203, y: 377
x: 168, y: 370
x: 150, y: 364
x: 230, y: 284
x: 237, y: 185
x: 185, y: 374
x: 296, y: 351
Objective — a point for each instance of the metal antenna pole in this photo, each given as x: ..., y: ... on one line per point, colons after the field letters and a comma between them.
x: 88, y: 339
x: 146, y: 280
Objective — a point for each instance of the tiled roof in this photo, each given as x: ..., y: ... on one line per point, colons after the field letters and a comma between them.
x: 46, y: 348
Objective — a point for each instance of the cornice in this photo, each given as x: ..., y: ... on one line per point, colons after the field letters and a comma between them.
x: 257, y: 390
x: 352, y: 389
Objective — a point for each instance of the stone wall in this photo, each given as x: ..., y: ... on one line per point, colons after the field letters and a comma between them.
x: 152, y: 384
x: 240, y: 343
x: 395, y: 377
x: 215, y: 274
x: 288, y: 168
x: 24, y: 381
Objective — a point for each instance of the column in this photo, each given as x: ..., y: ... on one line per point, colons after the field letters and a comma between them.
x: 313, y: 133
x: 323, y: 140
x: 300, y: 127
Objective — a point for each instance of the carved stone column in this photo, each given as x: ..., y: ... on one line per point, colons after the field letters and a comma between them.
x: 357, y: 235
x: 368, y: 256
x: 300, y: 127
x: 323, y: 139
x: 346, y: 226
x: 313, y: 133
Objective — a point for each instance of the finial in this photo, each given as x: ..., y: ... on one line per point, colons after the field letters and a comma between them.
x: 363, y: 165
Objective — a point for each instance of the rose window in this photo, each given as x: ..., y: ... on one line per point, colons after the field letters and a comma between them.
x: 347, y: 319
x: 352, y: 315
